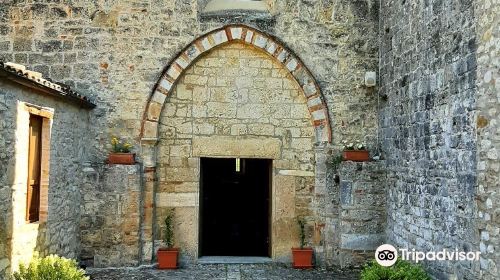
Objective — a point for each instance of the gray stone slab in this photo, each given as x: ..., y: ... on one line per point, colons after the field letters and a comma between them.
x: 361, y: 241
x: 345, y: 192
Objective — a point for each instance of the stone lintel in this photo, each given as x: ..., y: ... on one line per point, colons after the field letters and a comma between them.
x: 237, y: 146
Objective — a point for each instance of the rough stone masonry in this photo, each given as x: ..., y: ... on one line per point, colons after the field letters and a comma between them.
x: 114, y: 52
x: 435, y: 79
x: 433, y: 117
x: 428, y: 129
x: 58, y: 231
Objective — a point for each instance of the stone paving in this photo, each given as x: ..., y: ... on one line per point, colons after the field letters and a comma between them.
x: 222, y: 271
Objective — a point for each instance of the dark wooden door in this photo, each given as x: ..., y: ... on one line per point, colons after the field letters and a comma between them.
x: 34, y: 168
x: 235, y: 207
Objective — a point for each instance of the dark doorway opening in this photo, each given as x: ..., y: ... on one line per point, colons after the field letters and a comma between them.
x: 235, y: 207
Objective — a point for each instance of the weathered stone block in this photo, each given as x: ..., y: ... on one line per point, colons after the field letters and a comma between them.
x: 177, y: 199
x: 365, y: 242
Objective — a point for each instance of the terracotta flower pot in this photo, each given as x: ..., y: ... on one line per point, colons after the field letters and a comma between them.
x: 121, y: 158
x: 302, y: 258
x: 357, y: 155
x: 167, y: 258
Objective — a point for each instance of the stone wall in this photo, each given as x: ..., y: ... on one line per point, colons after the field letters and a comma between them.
x: 58, y: 231
x: 236, y: 101
x: 110, y: 216
x: 427, y: 127
x: 115, y: 51
x: 338, y: 41
x: 362, y: 211
x: 488, y: 140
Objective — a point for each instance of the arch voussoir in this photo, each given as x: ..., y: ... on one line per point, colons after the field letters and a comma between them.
x: 251, y: 36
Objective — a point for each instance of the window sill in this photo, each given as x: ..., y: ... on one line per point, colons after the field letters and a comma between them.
x: 246, y: 10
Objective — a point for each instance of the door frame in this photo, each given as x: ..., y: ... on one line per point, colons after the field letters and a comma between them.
x: 270, y: 202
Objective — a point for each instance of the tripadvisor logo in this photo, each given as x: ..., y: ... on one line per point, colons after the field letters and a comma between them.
x: 387, y: 255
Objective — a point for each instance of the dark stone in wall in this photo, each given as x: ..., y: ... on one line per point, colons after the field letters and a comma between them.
x: 345, y: 193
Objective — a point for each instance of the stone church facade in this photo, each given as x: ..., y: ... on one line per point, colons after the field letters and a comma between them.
x: 275, y: 82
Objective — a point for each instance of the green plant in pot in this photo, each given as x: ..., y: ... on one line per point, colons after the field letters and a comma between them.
x: 168, y: 256
x: 302, y: 256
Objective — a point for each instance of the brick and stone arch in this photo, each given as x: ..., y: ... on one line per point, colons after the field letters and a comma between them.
x: 239, y: 33
x: 296, y: 159
x: 235, y: 102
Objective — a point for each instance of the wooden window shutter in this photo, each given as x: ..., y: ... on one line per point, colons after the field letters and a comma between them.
x: 34, y: 169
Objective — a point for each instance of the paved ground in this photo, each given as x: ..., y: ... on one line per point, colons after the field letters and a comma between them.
x: 223, y: 272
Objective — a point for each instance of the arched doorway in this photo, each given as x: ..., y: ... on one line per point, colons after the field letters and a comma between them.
x: 235, y: 94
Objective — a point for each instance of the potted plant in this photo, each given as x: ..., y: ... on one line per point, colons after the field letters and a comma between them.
x: 302, y: 257
x: 167, y: 256
x: 120, y: 153
x: 355, y: 152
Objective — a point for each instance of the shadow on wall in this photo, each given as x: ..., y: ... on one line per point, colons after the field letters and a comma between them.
x: 5, y: 219
x: 8, y: 126
x: 8, y: 180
